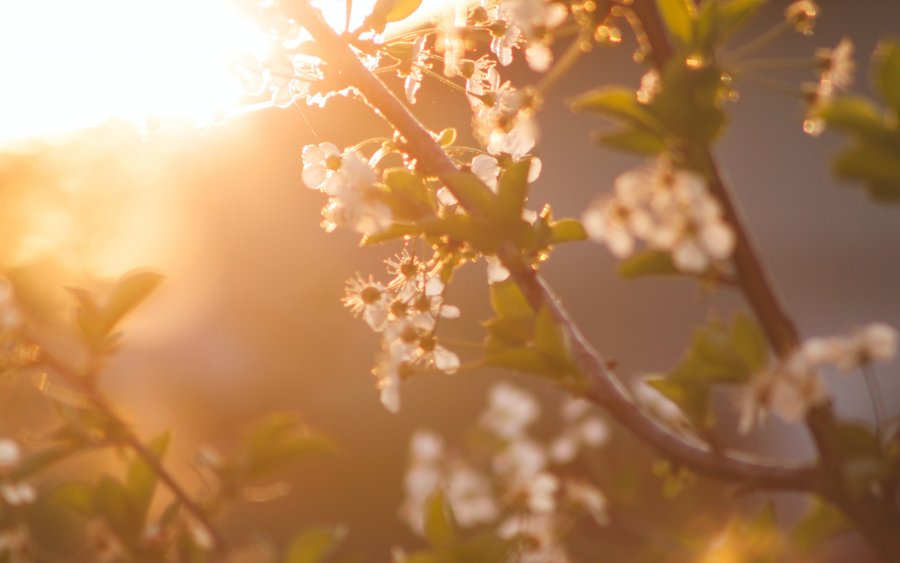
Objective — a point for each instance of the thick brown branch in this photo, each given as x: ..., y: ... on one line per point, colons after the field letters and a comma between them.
x: 603, y: 388
x: 877, y: 518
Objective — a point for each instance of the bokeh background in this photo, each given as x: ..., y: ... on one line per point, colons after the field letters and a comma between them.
x: 249, y: 319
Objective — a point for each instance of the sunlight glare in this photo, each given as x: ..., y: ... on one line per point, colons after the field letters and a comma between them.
x: 71, y: 65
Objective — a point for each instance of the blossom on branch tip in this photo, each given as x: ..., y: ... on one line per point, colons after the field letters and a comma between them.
x: 790, y: 389
x: 871, y: 343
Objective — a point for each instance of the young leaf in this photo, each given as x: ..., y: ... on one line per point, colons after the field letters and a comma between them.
x: 633, y: 139
x: 313, y: 545
x: 748, y: 340
x: 440, y: 527
x: 678, y: 16
x: 821, y: 522
x: 566, y: 230
x: 887, y: 62
x: 647, y: 263
x: 130, y: 291
x: 856, y: 116
x: 619, y: 104
x: 112, y: 501
x: 512, y: 190
x: 508, y: 301
x: 76, y: 496
x: 549, y: 339
x: 141, y: 479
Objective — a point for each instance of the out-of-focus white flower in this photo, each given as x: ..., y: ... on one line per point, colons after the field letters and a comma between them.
x: 542, y: 492
x: 541, y: 534
x: 10, y: 455
x: 536, y: 19
x: 589, y: 497
x: 17, y: 494
x: 510, y: 411
x: 671, y: 210
x: 789, y: 390
x: 470, y: 497
x: 581, y: 430
x: 650, y: 86
x: 520, y: 461
x: 874, y: 342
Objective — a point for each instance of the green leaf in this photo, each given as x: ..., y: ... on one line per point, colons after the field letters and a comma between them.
x: 141, y: 479
x: 512, y: 190
x: 508, y: 301
x: 407, y: 194
x: 470, y: 190
x: 129, y: 292
x: 689, y: 101
x: 314, y: 544
x: 877, y: 167
x: 76, y: 496
x: 549, y: 338
x: 887, y: 61
x: 647, y: 263
x: 821, y: 522
x: 856, y: 116
x: 636, y: 140
x: 618, y: 103
x: 440, y: 527
x: 678, y: 16
x: 749, y: 341
x: 691, y: 397
x: 732, y: 15
x: 567, y: 230
x: 112, y: 501
x: 278, y: 440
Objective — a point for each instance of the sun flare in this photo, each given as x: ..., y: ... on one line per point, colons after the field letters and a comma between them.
x: 70, y: 65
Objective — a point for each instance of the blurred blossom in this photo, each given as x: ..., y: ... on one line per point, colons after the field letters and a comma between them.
x: 874, y: 342
x: 789, y: 390
x: 510, y: 411
x: 801, y: 14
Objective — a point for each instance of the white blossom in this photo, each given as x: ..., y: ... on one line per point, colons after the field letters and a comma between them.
x: 367, y: 298
x: 470, y: 497
x: 874, y: 342
x: 790, y: 389
x: 836, y: 68
x: 510, y: 411
x: 801, y: 14
x: 10, y: 455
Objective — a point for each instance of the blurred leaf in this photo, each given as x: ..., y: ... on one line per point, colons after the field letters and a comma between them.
x: 728, y: 17
x: 141, y: 479
x: 634, y: 139
x: 854, y: 115
x: 647, y: 263
x: 567, y: 230
x: 877, y: 167
x: 278, y: 440
x: 512, y: 190
x: 749, y: 341
x: 549, y: 338
x: 618, y: 103
x: 313, y: 545
x: 821, y: 522
x: 678, y: 16
x: 112, y: 501
x: 691, y: 397
x: 469, y: 189
x: 130, y: 291
x: 689, y: 101
x: 887, y: 63
x: 76, y: 496
x: 440, y: 528
x: 508, y: 301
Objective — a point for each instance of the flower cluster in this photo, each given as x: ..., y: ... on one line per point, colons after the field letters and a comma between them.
x: 670, y: 210
x: 801, y: 15
x: 793, y: 386
x: 406, y: 311
x: 350, y: 183
x: 519, y: 488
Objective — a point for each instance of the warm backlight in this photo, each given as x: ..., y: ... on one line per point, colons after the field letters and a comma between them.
x: 67, y: 65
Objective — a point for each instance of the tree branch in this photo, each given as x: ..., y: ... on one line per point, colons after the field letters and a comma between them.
x: 876, y: 518
x: 85, y: 384
x: 603, y: 388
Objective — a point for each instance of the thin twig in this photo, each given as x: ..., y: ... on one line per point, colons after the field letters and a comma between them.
x: 85, y: 384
